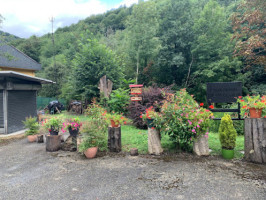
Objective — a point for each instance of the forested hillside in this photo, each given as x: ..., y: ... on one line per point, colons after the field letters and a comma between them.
x: 184, y: 43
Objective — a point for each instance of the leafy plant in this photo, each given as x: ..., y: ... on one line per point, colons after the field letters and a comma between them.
x: 93, y: 135
x: 152, y: 96
x: 73, y: 124
x: 117, y: 118
x: 255, y: 101
x: 32, y: 125
x: 54, y: 123
x: 119, y: 100
x: 227, y: 133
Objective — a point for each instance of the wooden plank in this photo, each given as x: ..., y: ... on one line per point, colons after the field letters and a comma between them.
x: 136, y: 98
x: 114, y: 139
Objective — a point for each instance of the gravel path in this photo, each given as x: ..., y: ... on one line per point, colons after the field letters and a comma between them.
x: 27, y: 171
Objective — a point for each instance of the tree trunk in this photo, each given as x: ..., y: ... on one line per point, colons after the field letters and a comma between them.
x: 154, y: 142
x: 70, y: 144
x: 53, y: 142
x: 201, y: 146
x: 114, y: 139
x: 255, y: 140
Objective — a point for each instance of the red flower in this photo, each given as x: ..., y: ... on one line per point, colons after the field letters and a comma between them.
x: 244, y: 106
x: 242, y: 100
x: 125, y: 122
x: 240, y: 97
x: 141, y: 116
x: 201, y: 104
x: 152, y: 128
x: 211, y: 106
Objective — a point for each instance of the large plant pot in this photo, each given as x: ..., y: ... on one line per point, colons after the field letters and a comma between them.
x: 114, y: 124
x: 53, y: 143
x: 255, y: 113
x: 74, y: 132
x: 150, y: 123
x: 53, y: 132
x: 228, y: 154
x: 201, y: 146
x: 91, y: 152
x: 32, y: 138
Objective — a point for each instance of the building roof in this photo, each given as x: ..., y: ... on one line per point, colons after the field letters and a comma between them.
x: 12, y: 57
x: 24, y: 77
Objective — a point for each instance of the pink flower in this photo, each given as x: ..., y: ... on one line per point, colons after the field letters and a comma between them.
x: 207, y: 133
x: 206, y: 136
x: 189, y: 122
x: 198, y: 125
x: 193, y: 130
x: 182, y: 114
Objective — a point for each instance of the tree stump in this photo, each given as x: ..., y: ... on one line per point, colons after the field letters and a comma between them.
x: 53, y: 142
x: 39, y: 138
x: 154, y: 142
x: 134, y: 152
x: 255, y: 140
x: 114, y: 139
x: 70, y: 144
x: 201, y: 146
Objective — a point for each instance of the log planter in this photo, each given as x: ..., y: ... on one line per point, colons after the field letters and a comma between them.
x: 255, y: 140
x: 154, y: 142
x: 201, y: 146
x: 53, y: 143
x: 114, y: 139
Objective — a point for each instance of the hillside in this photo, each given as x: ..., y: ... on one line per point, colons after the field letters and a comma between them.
x: 7, y: 37
x: 166, y: 42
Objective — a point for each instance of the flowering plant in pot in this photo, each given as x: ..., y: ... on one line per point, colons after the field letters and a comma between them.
x: 53, y: 125
x: 33, y: 128
x: 227, y: 136
x: 93, y: 138
x: 253, y: 105
x: 115, y: 119
x: 151, y: 116
x: 72, y: 125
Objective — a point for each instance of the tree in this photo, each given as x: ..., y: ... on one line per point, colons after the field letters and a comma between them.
x: 212, y: 50
x: 249, y: 31
x: 142, y: 27
x: 93, y: 61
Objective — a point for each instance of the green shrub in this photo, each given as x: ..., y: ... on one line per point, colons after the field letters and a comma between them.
x: 227, y: 133
x: 32, y: 125
x: 119, y: 101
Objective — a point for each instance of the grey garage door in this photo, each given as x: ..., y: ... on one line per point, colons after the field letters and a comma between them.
x: 21, y: 104
x: 1, y: 110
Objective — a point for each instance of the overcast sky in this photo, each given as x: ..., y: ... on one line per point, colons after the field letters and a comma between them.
x: 25, y: 18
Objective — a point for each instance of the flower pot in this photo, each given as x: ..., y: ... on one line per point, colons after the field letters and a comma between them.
x: 32, y: 138
x: 74, y: 132
x: 53, y: 132
x: 228, y: 153
x: 91, y: 152
x: 114, y: 123
x: 255, y: 113
x: 150, y: 123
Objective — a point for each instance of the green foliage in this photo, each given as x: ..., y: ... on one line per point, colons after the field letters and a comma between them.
x: 227, y: 133
x: 32, y: 125
x: 93, y: 61
x: 119, y: 100
x: 54, y: 123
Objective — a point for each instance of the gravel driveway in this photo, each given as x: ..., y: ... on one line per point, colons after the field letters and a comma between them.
x: 27, y: 171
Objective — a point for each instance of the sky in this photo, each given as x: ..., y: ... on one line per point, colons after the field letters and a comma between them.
x: 25, y: 18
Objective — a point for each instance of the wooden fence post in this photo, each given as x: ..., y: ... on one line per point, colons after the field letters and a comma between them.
x: 255, y: 140
x: 114, y: 139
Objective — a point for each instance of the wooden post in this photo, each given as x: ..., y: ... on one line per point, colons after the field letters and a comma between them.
x: 39, y: 138
x: 114, y: 139
x: 154, y: 142
x: 53, y: 142
x: 255, y: 140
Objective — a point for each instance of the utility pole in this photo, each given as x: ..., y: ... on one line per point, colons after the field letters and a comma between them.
x: 52, y: 21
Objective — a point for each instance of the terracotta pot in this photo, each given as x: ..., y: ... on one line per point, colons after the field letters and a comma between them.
x: 114, y: 124
x: 255, y: 113
x: 32, y: 138
x: 91, y: 152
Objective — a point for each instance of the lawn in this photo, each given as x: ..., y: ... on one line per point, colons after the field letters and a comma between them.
x: 137, y: 138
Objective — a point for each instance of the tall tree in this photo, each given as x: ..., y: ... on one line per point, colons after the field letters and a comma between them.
x: 212, y: 50
x: 142, y: 28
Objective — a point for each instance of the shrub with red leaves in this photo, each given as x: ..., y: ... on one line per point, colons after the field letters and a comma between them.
x: 152, y: 96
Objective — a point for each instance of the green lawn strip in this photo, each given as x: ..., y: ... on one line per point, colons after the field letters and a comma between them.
x: 215, y: 146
